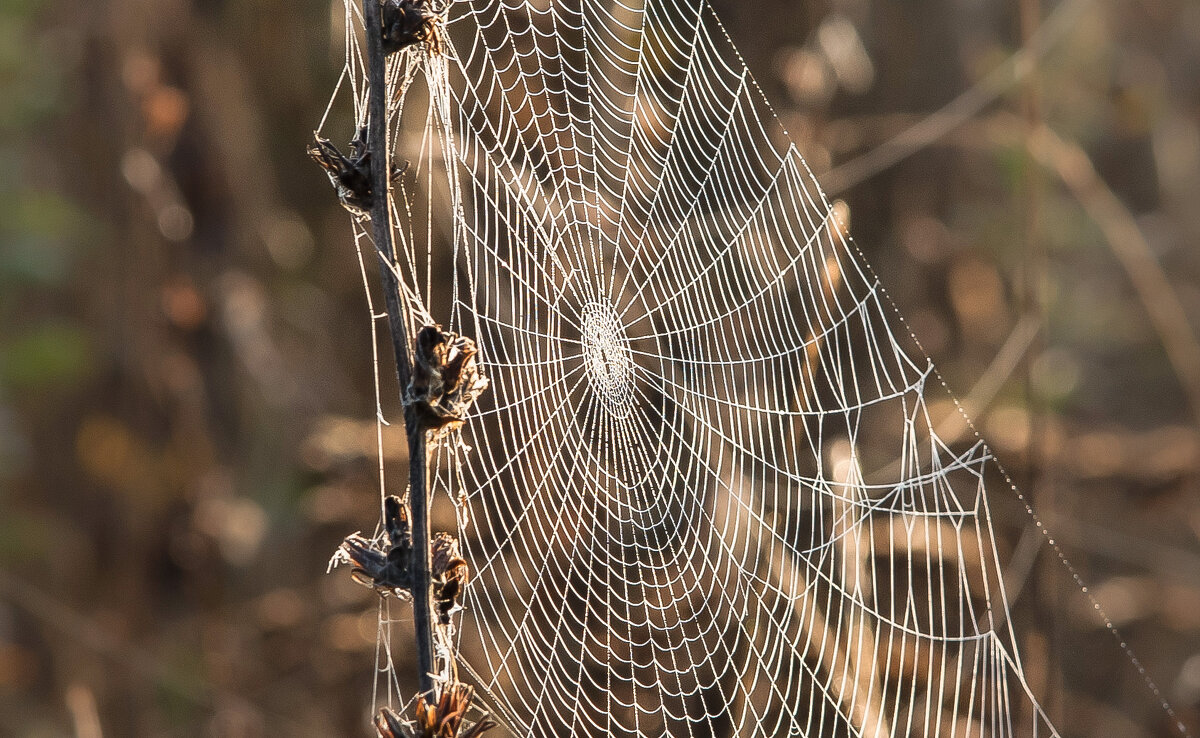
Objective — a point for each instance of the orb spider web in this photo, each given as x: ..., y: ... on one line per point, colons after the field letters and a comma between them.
x: 705, y: 494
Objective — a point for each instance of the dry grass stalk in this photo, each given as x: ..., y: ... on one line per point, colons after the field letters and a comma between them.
x: 1163, y: 306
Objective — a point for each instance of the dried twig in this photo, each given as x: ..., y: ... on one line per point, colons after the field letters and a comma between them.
x: 381, y: 225
x: 439, y: 379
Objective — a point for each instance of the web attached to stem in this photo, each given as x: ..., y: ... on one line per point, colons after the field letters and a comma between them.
x: 704, y: 495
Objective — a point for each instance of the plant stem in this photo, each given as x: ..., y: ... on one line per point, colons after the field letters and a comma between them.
x: 381, y: 225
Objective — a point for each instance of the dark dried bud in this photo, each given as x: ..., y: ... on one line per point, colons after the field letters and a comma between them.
x: 389, y: 725
x: 409, y: 22
x: 445, y: 378
x: 445, y: 554
x: 387, y: 570
x: 449, y: 574
x: 350, y: 175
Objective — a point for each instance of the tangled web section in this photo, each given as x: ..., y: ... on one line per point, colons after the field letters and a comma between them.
x: 704, y: 496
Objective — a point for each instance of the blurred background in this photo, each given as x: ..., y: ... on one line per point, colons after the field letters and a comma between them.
x: 186, y: 404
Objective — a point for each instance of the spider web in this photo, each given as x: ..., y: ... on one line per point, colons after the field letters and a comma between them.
x: 704, y: 495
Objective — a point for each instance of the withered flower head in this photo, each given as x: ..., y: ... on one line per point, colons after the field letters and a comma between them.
x: 445, y: 378
x: 386, y: 569
x: 446, y: 719
x: 410, y: 22
x: 350, y: 175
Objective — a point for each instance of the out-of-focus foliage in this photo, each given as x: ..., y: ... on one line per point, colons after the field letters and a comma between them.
x: 186, y: 405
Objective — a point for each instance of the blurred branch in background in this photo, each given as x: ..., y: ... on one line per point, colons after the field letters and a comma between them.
x: 1125, y: 239
x: 964, y: 107
x: 147, y: 667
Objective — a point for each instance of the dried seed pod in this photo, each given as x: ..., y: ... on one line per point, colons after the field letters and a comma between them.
x: 350, y: 175
x: 444, y: 554
x: 389, y: 725
x: 449, y: 574
x: 386, y: 569
x: 410, y: 22
x: 445, y: 719
x: 445, y: 378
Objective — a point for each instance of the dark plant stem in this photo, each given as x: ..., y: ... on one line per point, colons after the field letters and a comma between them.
x: 381, y: 226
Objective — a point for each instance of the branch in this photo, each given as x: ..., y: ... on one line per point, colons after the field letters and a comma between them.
x: 1128, y: 244
x: 381, y: 227
x: 962, y: 108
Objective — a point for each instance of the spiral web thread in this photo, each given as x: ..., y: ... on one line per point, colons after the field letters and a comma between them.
x: 704, y: 495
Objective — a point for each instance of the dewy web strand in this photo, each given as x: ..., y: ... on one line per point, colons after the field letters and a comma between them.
x: 671, y: 497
